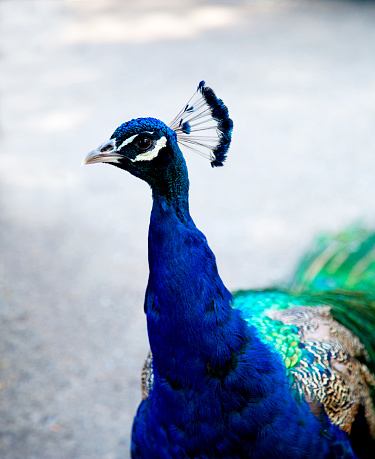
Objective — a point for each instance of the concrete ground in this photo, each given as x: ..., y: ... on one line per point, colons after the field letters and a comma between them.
x: 298, y: 78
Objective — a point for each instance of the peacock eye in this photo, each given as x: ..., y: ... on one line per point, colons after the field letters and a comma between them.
x: 143, y: 143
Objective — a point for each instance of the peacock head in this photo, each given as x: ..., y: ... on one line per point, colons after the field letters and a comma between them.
x: 143, y: 146
x: 149, y: 149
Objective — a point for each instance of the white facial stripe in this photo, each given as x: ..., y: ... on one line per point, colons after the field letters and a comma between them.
x: 149, y: 155
x: 127, y: 141
x: 130, y: 139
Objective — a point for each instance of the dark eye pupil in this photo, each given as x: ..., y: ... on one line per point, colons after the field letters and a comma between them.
x: 144, y: 143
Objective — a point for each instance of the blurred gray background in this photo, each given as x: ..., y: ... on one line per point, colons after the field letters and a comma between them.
x: 299, y: 80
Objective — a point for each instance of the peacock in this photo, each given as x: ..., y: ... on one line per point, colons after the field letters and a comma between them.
x: 276, y: 373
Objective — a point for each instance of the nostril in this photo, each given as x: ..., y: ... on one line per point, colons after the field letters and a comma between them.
x: 106, y: 148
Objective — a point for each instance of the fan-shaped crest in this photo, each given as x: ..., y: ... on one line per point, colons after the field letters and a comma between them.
x: 204, y: 125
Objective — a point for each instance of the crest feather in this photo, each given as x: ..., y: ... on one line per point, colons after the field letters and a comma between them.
x: 204, y: 125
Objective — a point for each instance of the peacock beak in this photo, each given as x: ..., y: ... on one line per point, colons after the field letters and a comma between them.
x: 105, y: 153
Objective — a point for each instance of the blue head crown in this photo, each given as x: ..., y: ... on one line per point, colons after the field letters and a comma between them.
x: 204, y: 125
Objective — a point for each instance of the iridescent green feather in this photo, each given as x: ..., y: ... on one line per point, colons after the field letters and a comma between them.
x: 338, y: 271
x: 282, y: 338
x: 343, y: 261
x: 338, y: 278
x: 354, y: 310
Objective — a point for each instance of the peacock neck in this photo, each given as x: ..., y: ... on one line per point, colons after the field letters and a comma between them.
x: 171, y: 204
x: 187, y: 304
x: 171, y: 187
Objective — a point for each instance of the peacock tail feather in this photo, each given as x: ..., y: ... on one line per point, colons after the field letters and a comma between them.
x: 343, y: 261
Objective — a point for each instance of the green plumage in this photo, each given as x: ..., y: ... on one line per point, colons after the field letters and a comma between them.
x: 354, y: 310
x: 283, y: 338
x: 323, y: 328
x: 343, y: 261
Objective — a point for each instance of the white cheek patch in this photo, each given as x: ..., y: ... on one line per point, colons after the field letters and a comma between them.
x: 151, y: 154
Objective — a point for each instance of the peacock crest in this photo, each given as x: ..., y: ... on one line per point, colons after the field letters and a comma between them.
x: 204, y: 126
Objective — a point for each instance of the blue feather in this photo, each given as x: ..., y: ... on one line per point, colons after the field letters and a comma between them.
x: 185, y: 127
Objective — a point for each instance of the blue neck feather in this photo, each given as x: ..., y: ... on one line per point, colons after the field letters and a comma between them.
x: 218, y: 390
